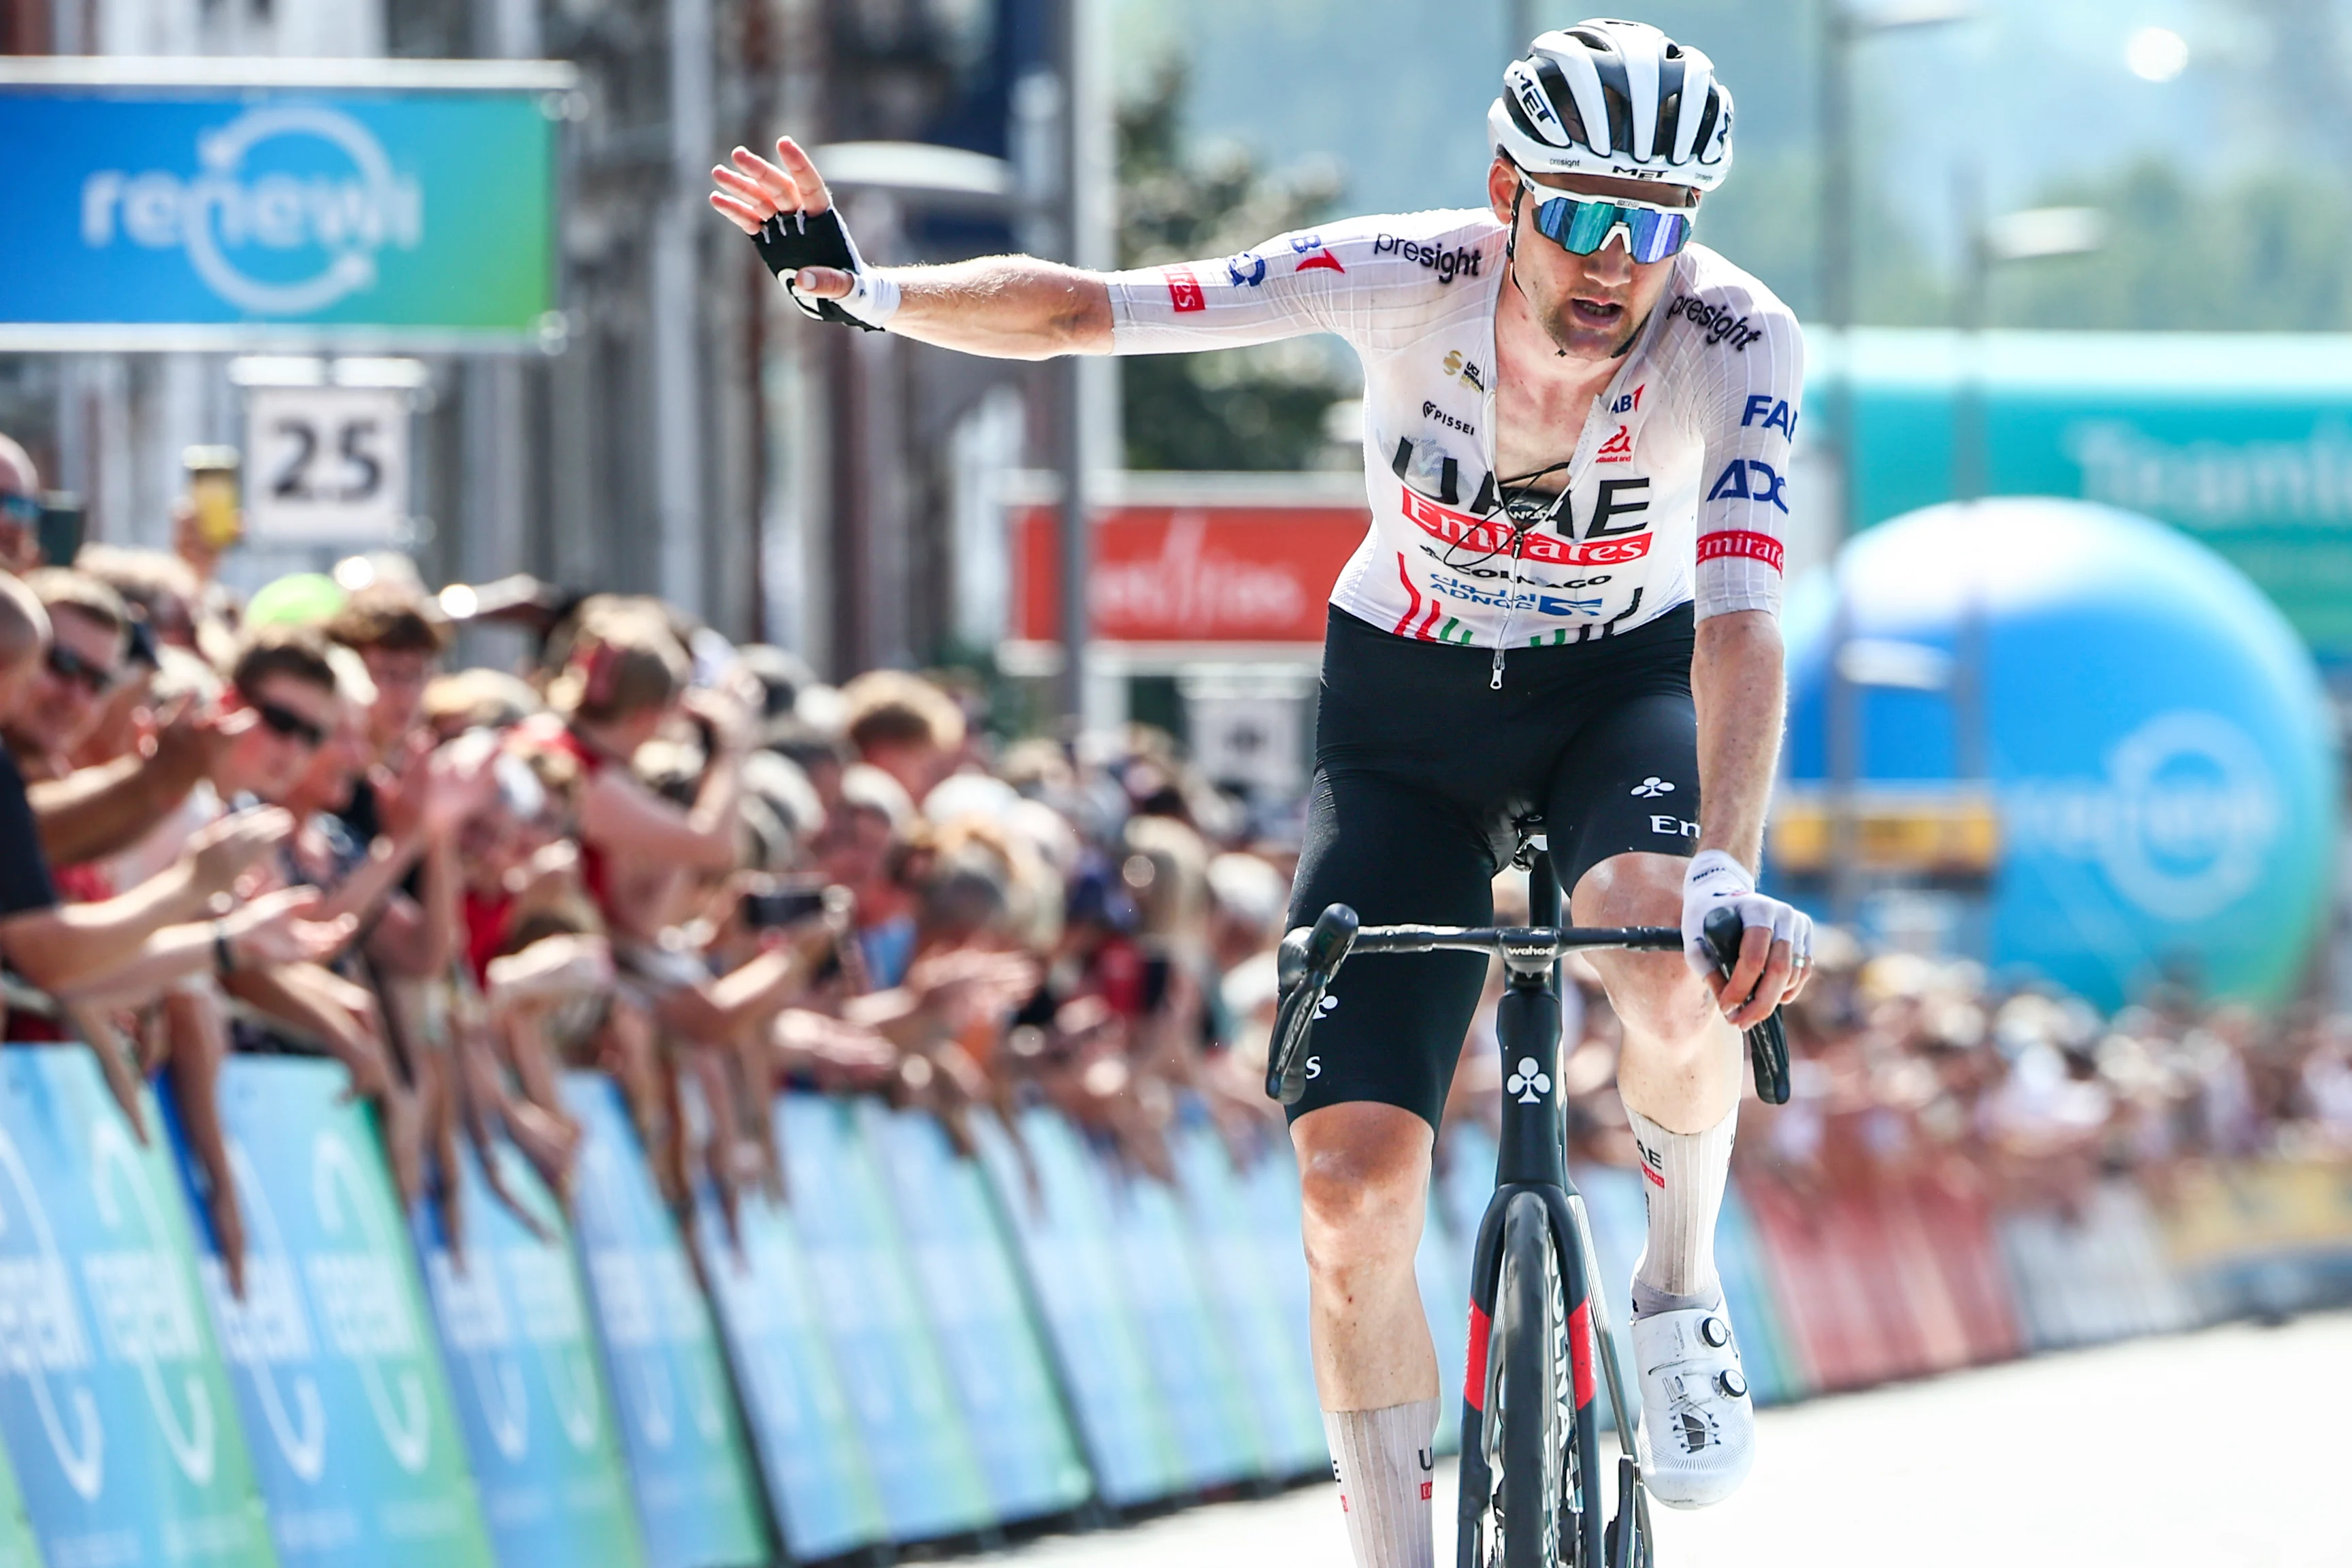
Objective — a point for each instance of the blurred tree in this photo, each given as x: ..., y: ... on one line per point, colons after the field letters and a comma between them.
x: 1256, y: 408
x: 2263, y: 254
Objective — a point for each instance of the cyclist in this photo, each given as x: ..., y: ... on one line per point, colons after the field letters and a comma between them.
x: 1577, y: 429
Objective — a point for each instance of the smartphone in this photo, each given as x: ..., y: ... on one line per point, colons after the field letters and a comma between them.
x: 61, y: 528
x: 787, y: 904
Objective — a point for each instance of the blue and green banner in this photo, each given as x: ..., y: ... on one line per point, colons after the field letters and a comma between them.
x: 333, y: 1353
x: 17, y: 1548
x: 2243, y: 440
x: 971, y: 1296
x: 1244, y: 1286
x: 698, y: 1498
x: 114, y: 1403
x: 1047, y: 1181
x: 919, y: 1453
x: 392, y: 210
x: 524, y: 1372
x: 1184, y: 1342
x: 811, y: 1452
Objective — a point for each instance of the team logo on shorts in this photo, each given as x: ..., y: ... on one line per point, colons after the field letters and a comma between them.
x: 1653, y: 786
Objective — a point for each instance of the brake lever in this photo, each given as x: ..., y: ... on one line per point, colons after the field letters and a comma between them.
x: 1768, y: 1042
x: 1307, y: 959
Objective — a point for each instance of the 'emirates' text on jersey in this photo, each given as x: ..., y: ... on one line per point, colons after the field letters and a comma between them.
x: 1678, y: 490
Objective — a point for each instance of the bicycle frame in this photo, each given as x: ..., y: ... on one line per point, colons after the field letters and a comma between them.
x: 1530, y: 1157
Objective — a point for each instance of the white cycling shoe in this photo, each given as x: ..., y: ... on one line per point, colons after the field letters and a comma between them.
x: 1695, y: 1406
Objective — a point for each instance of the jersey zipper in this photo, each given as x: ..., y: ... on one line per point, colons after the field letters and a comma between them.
x: 1634, y: 352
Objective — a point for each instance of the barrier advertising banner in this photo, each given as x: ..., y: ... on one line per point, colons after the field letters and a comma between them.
x: 922, y: 1459
x: 1045, y: 1185
x: 113, y: 1398
x: 524, y: 1374
x: 810, y: 1451
x: 374, y: 208
x: 971, y: 1296
x: 332, y: 1351
x: 696, y: 1496
x: 17, y: 1548
x: 1216, y: 1440
x: 1249, y: 1300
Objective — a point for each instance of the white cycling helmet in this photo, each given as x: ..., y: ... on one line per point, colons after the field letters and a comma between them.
x: 1614, y: 98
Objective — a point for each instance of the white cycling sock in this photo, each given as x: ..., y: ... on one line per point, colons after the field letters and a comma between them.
x: 1383, y: 1461
x: 1683, y: 1175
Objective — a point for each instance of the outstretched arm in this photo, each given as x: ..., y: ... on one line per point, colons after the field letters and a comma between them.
x: 1006, y: 307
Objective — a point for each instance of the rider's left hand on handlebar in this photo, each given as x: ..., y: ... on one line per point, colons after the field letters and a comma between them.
x: 1776, y: 948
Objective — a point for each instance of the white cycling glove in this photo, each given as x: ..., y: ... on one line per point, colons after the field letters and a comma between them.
x: 1716, y: 880
x: 790, y: 241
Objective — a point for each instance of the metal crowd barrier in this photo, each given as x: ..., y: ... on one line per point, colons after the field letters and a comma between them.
x: 912, y: 1346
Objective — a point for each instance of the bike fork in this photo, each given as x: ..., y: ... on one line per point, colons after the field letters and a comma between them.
x: 1580, y: 1306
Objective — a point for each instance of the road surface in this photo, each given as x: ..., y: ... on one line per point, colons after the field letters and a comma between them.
x: 2228, y: 1448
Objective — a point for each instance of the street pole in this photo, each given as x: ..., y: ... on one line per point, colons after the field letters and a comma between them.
x: 1843, y: 719
x: 1070, y: 385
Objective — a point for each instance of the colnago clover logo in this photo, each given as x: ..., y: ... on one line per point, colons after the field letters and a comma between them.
x: 1530, y: 1082
x: 290, y: 208
x: 1654, y: 786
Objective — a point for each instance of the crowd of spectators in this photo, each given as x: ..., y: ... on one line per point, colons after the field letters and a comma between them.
x: 289, y: 827
x: 1909, y: 1066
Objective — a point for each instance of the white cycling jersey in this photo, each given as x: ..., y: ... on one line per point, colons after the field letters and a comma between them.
x: 1678, y: 490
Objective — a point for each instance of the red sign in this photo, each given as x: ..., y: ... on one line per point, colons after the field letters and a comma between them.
x: 1468, y: 533
x: 1189, y: 574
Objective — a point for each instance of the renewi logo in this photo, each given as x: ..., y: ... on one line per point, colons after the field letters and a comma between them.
x: 292, y: 204
x: 2181, y: 824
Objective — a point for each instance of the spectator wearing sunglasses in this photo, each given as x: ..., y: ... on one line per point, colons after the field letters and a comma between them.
x: 126, y: 950
x: 88, y: 624
x: 283, y: 678
x: 20, y: 510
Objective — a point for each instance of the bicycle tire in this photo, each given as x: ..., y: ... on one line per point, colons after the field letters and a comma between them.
x: 1537, y: 1502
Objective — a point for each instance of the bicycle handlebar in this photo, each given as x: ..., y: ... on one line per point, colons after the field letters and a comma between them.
x: 1310, y: 958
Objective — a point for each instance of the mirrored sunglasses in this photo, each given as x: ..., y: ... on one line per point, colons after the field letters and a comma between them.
x: 1583, y: 225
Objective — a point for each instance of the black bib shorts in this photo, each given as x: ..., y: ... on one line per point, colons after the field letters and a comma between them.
x: 1420, y: 769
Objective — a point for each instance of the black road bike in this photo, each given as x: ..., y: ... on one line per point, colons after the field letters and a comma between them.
x: 1531, y: 1493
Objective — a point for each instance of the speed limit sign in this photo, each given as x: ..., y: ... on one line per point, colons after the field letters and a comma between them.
x: 326, y: 464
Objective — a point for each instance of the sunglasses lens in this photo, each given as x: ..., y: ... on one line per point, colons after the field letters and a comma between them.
x: 292, y: 725
x: 1655, y: 235
x: 1581, y: 227
x: 1588, y: 230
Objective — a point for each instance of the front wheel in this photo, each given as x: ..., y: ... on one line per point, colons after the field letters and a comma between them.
x: 1537, y: 1502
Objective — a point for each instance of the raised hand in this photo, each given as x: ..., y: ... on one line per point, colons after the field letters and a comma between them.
x: 190, y: 739
x: 453, y: 789
x: 225, y: 848
x: 272, y: 929
x: 785, y: 208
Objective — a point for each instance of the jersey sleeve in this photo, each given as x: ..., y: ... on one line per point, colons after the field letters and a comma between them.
x: 1318, y: 280
x: 1751, y: 357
